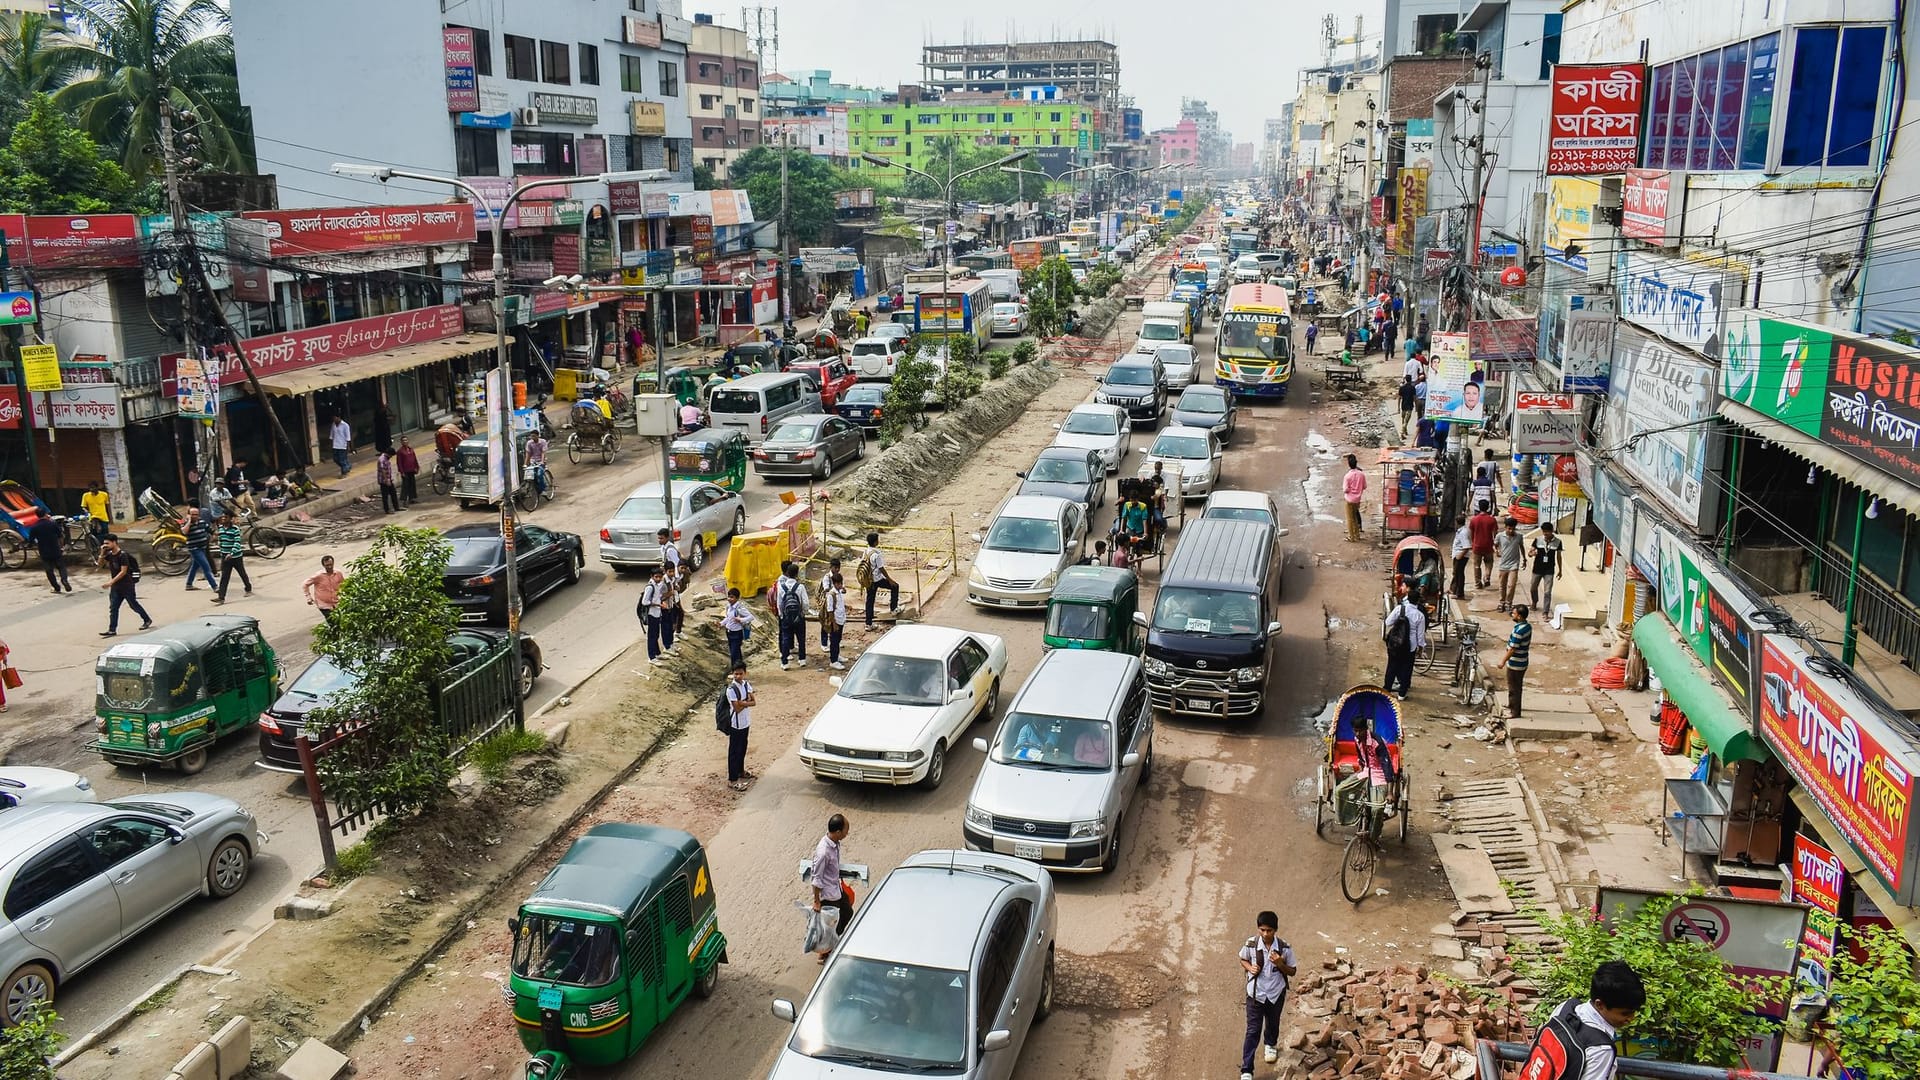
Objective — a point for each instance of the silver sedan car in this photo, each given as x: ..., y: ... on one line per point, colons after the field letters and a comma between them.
x: 703, y: 515
x: 79, y: 879
x: 946, y: 967
x: 811, y: 444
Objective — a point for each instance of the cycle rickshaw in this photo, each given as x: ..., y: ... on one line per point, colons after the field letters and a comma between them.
x: 1419, y: 563
x: 589, y: 431
x: 1345, y: 794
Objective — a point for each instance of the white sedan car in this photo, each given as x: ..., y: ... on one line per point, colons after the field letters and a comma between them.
x: 1180, y: 362
x: 1104, y: 428
x: 905, y: 704
x: 27, y: 785
x: 1031, y: 540
x: 1010, y: 318
x: 1192, y: 453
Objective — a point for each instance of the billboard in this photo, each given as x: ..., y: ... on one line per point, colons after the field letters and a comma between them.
x: 1594, y: 127
x: 357, y: 228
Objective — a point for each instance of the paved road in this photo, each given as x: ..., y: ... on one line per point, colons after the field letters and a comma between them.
x: 51, y: 722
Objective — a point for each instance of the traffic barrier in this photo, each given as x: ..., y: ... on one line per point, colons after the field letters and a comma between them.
x: 753, y: 561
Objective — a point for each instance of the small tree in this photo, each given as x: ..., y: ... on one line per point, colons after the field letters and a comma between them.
x: 27, y: 1047
x: 959, y: 383
x: 1875, y: 1011
x: 390, y: 627
x: 1050, y: 290
x: 49, y: 166
x: 1698, y: 1010
x: 998, y: 361
x: 1025, y: 352
x: 913, y: 380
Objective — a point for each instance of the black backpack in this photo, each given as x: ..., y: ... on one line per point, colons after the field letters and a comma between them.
x: 722, y: 712
x: 133, y: 568
x: 1399, y: 634
x: 792, y: 611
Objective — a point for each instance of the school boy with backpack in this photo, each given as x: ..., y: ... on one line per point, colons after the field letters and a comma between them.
x: 788, y: 598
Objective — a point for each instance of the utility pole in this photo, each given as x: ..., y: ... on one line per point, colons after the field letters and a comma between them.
x: 1476, y: 212
x: 786, y: 237
x: 206, y: 445
x: 12, y: 355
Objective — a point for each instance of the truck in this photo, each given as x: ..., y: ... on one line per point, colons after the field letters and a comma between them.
x: 1002, y: 284
x: 1164, y: 322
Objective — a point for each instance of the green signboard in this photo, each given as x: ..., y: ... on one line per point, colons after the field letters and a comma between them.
x: 1779, y: 369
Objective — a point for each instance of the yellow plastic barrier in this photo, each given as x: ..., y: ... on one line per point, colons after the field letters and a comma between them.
x: 564, y: 388
x: 753, y: 562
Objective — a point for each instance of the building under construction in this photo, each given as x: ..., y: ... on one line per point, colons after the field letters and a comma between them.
x: 1084, y: 72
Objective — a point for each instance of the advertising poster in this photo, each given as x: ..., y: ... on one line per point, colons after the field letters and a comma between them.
x: 1818, y: 880
x: 1595, y: 124
x: 1456, y: 386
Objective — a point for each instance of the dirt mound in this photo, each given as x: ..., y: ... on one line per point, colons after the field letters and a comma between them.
x: 1108, y: 982
x: 441, y: 850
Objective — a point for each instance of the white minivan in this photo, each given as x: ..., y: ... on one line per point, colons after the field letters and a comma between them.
x: 756, y: 404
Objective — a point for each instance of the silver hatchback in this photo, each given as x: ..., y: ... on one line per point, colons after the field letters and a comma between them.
x: 79, y: 879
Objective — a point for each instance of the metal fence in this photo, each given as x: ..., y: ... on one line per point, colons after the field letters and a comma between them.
x: 477, y: 700
x: 1879, y: 613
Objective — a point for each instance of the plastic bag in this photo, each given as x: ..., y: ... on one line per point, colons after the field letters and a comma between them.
x: 822, y: 927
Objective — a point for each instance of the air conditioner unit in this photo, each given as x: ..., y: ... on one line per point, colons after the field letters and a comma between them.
x: 527, y: 117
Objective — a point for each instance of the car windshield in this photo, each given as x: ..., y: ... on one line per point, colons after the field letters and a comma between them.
x: 869, y: 348
x: 1206, y: 401
x: 797, y: 432
x: 1060, y: 470
x: 125, y: 691
x: 576, y: 952
x: 865, y: 395
x: 902, y: 680
x: 733, y: 401
x: 1006, y: 309
x: 1206, y: 611
x: 1038, y: 536
x: 1033, y: 741
x: 642, y: 510
x: 886, y: 1016
x: 475, y: 551
x: 1160, y: 331
x: 1239, y: 513
x: 1174, y: 357
x: 1130, y: 375
x: 1179, y: 446
x: 1091, y: 423
x: 1078, y: 622
x: 323, y: 678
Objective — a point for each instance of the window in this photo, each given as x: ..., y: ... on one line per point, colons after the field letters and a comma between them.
x: 520, y: 59
x: 1715, y: 111
x: 590, y: 64
x: 556, y: 62
x: 928, y: 119
x: 631, y: 79
x: 746, y: 105
x: 1055, y: 117
x: 1006, y: 118
x: 727, y: 113
x: 1056, y: 140
x: 886, y: 118
x: 1757, y: 118
x: 998, y: 962
x: 984, y: 118
x: 1549, y: 44
x: 476, y: 152
x: 122, y: 838
x: 543, y: 152
x: 637, y: 5
x: 1706, y: 90
x: 48, y: 876
x: 673, y: 156
x: 669, y: 79
x: 1428, y: 30
x: 707, y: 100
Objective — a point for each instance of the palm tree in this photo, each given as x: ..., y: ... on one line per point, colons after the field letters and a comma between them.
x: 31, y: 58
x: 141, y: 55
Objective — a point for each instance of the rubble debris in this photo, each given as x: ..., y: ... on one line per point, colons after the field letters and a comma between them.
x: 1405, y: 1021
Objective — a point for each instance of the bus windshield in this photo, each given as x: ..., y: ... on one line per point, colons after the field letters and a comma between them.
x: 1252, y: 335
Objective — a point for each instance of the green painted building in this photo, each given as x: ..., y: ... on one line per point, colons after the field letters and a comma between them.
x: 1061, y: 135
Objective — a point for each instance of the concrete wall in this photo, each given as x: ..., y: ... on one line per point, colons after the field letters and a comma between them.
x: 1612, y: 30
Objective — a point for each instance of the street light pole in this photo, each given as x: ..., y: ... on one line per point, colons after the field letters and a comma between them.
x: 946, y: 234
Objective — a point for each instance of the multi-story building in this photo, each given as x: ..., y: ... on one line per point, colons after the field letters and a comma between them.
x: 1179, y: 144
x: 820, y: 130
x: 723, y: 94
x: 1060, y: 134
x: 782, y: 93
x: 1085, y: 73
x: 1241, y: 161
x: 1214, y: 145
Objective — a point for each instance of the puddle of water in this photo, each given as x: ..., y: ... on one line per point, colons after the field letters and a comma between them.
x: 1320, y: 443
x: 1319, y: 502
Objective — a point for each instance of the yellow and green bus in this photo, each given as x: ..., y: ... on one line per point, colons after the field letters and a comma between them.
x: 1253, y: 343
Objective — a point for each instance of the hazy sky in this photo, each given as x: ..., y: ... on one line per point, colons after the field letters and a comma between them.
x: 1243, y: 57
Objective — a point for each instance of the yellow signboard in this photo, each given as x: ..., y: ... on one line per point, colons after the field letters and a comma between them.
x: 633, y: 275
x: 647, y: 118
x: 1413, y: 206
x: 1570, y: 203
x: 42, y: 365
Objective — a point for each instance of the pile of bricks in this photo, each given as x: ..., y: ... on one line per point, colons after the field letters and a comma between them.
x: 1402, y: 1022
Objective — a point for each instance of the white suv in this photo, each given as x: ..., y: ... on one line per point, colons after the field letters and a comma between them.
x: 875, y: 357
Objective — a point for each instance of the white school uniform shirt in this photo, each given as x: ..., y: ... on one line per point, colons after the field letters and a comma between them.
x: 740, y: 691
x: 1271, y: 982
x: 876, y: 563
x: 837, y: 606
x: 653, y: 596
x: 737, y: 617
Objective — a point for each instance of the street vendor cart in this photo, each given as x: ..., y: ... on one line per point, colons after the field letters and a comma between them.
x: 1411, y: 490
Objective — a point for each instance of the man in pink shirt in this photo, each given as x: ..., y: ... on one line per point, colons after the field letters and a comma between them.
x: 323, y: 588
x: 1355, y: 488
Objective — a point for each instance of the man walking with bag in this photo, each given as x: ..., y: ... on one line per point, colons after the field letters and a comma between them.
x: 873, y: 577
x: 1405, y: 633
x: 790, y: 611
x: 653, y: 611
x: 1268, y: 961
x: 123, y: 577
x: 823, y: 877
x: 741, y: 700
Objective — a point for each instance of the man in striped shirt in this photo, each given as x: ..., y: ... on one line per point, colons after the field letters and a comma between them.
x: 1519, y: 646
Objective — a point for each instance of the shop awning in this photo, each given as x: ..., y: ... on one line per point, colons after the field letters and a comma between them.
x: 1812, y: 450
x: 1903, y: 919
x: 405, y: 358
x: 1711, y: 710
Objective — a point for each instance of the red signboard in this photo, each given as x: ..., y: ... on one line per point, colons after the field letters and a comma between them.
x: 10, y: 414
x: 703, y: 238
x: 276, y: 354
x: 1377, y: 209
x: 463, y: 87
x: 1503, y: 340
x: 566, y: 254
x: 1818, y: 876
x: 83, y: 240
x: 1643, y: 204
x: 356, y: 228
x: 1855, y: 764
x: 1595, y: 123
x: 1550, y: 402
x: 624, y: 197
x: 15, y: 226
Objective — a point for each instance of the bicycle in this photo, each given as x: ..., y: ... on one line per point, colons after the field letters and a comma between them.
x: 1362, y: 856
x: 1469, y: 676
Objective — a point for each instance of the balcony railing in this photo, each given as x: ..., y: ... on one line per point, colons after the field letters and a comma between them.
x: 1891, y: 620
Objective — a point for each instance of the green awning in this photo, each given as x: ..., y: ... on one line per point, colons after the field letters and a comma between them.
x: 1710, y: 709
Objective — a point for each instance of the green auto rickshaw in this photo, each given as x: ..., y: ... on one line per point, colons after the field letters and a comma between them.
x: 619, y: 933
x: 1092, y: 607
x: 711, y: 455
x: 163, y: 698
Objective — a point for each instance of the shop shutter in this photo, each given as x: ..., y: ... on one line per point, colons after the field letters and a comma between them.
x: 136, y: 314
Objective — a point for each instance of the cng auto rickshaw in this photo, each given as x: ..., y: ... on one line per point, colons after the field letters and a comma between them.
x: 470, y: 472
x: 1092, y: 607
x: 711, y: 455
x: 163, y: 698
x: 616, y: 936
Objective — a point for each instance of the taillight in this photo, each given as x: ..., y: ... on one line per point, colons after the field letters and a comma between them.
x: 676, y: 534
x: 763, y: 425
x: 876, y: 412
x: 804, y: 455
x: 480, y: 582
x: 606, y: 537
x: 268, y: 724
x: 759, y: 455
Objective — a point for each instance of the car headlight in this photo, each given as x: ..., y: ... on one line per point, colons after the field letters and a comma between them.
x: 815, y: 745
x: 974, y: 577
x: 1087, y: 828
x: 979, y: 818
x: 903, y: 755
x: 1049, y: 581
x: 1157, y: 667
x: 1246, y: 675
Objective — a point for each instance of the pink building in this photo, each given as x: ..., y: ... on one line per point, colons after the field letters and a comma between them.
x: 1242, y: 160
x: 1178, y: 143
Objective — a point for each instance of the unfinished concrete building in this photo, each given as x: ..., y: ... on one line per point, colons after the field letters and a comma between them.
x: 1084, y: 72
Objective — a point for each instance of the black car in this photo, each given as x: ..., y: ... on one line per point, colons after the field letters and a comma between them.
x: 281, y: 724
x: 1073, y: 473
x: 476, y: 577
x: 1136, y: 383
x: 1205, y: 407
x: 861, y: 403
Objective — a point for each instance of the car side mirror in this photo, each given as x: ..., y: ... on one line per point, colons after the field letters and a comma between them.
x: 783, y: 1010
x: 1128, y: 761
x: 980, y: 745
x: 175, y: 835
x: 1022, y: 474
x: 513, y: 926
x: 835, y: 681
x: 1139, y: 618
x: 965, y: 693
x: 1273, y: 629
x: 997, y: 1039
x: 1218, y: 454
x: 1056, y: 427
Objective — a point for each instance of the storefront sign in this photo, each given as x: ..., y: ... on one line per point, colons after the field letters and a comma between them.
x: 1818, y: 881
x: 1595, y: 124
x: 702, y: 232
x: 646, y: 118
x: 1872, y: 401
x: 463, y: 87
x: 828, y: 261
x: 10, y: 413
x: 1503, y: 341
x: 14, y: 228
x: 1586, y: 350
x: 1683, y: 301
x: 566, y: 254
x: 1777, y: 368
x: 1420, y: 143
x: 1711, y: 613
x: 1648, y: 209
x: 18, y: 309
x: 41, y: 363
x: 274, y: 354
x: 687, y: 275
x: 1549, y: 430
x: 1413, y: 205
x: 1545, y: 401
x: 1658, y: 404
x: 624, y: 198
x: 95, y: 408
x: 357, y: 228
x: 567, y: 108
x: 592, y: 152
x: 659, y: 204
x: 640, y: 30
x: 1456, y: 390
x: 99, y: 240
x: 1570, y: 203
x: 1855, y: 763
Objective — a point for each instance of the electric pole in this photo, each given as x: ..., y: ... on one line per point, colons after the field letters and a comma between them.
x: 786, y: 235
x: 12, y: 355
x: 1476, y: 212
x: 186, y: 253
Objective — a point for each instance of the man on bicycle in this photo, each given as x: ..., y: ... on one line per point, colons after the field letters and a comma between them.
x: 1375, y: 771
x: 537, y: 460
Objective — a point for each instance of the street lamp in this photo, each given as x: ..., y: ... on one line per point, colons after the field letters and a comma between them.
x: 946, y: 228
x: 500, y: 398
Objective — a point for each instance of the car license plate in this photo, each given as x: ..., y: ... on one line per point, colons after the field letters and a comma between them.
x: 1026, y: 851
x: 780, y: 457
x: 991, y: 600
x: 550, y: 997
x: 1202, y: 704
x: 849, y: 773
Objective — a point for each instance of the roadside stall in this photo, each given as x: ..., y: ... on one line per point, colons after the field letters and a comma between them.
x: 1411, y: 491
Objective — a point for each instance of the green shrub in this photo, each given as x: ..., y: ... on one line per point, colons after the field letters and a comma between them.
x: 958, y: 384
x: 1875, y: 1015
x: 353, y: 862
x: 1025, y: 352
x: 26, y: 1047
x: 906, y: 395
x: 493, y: 756
x: 998, y: 361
